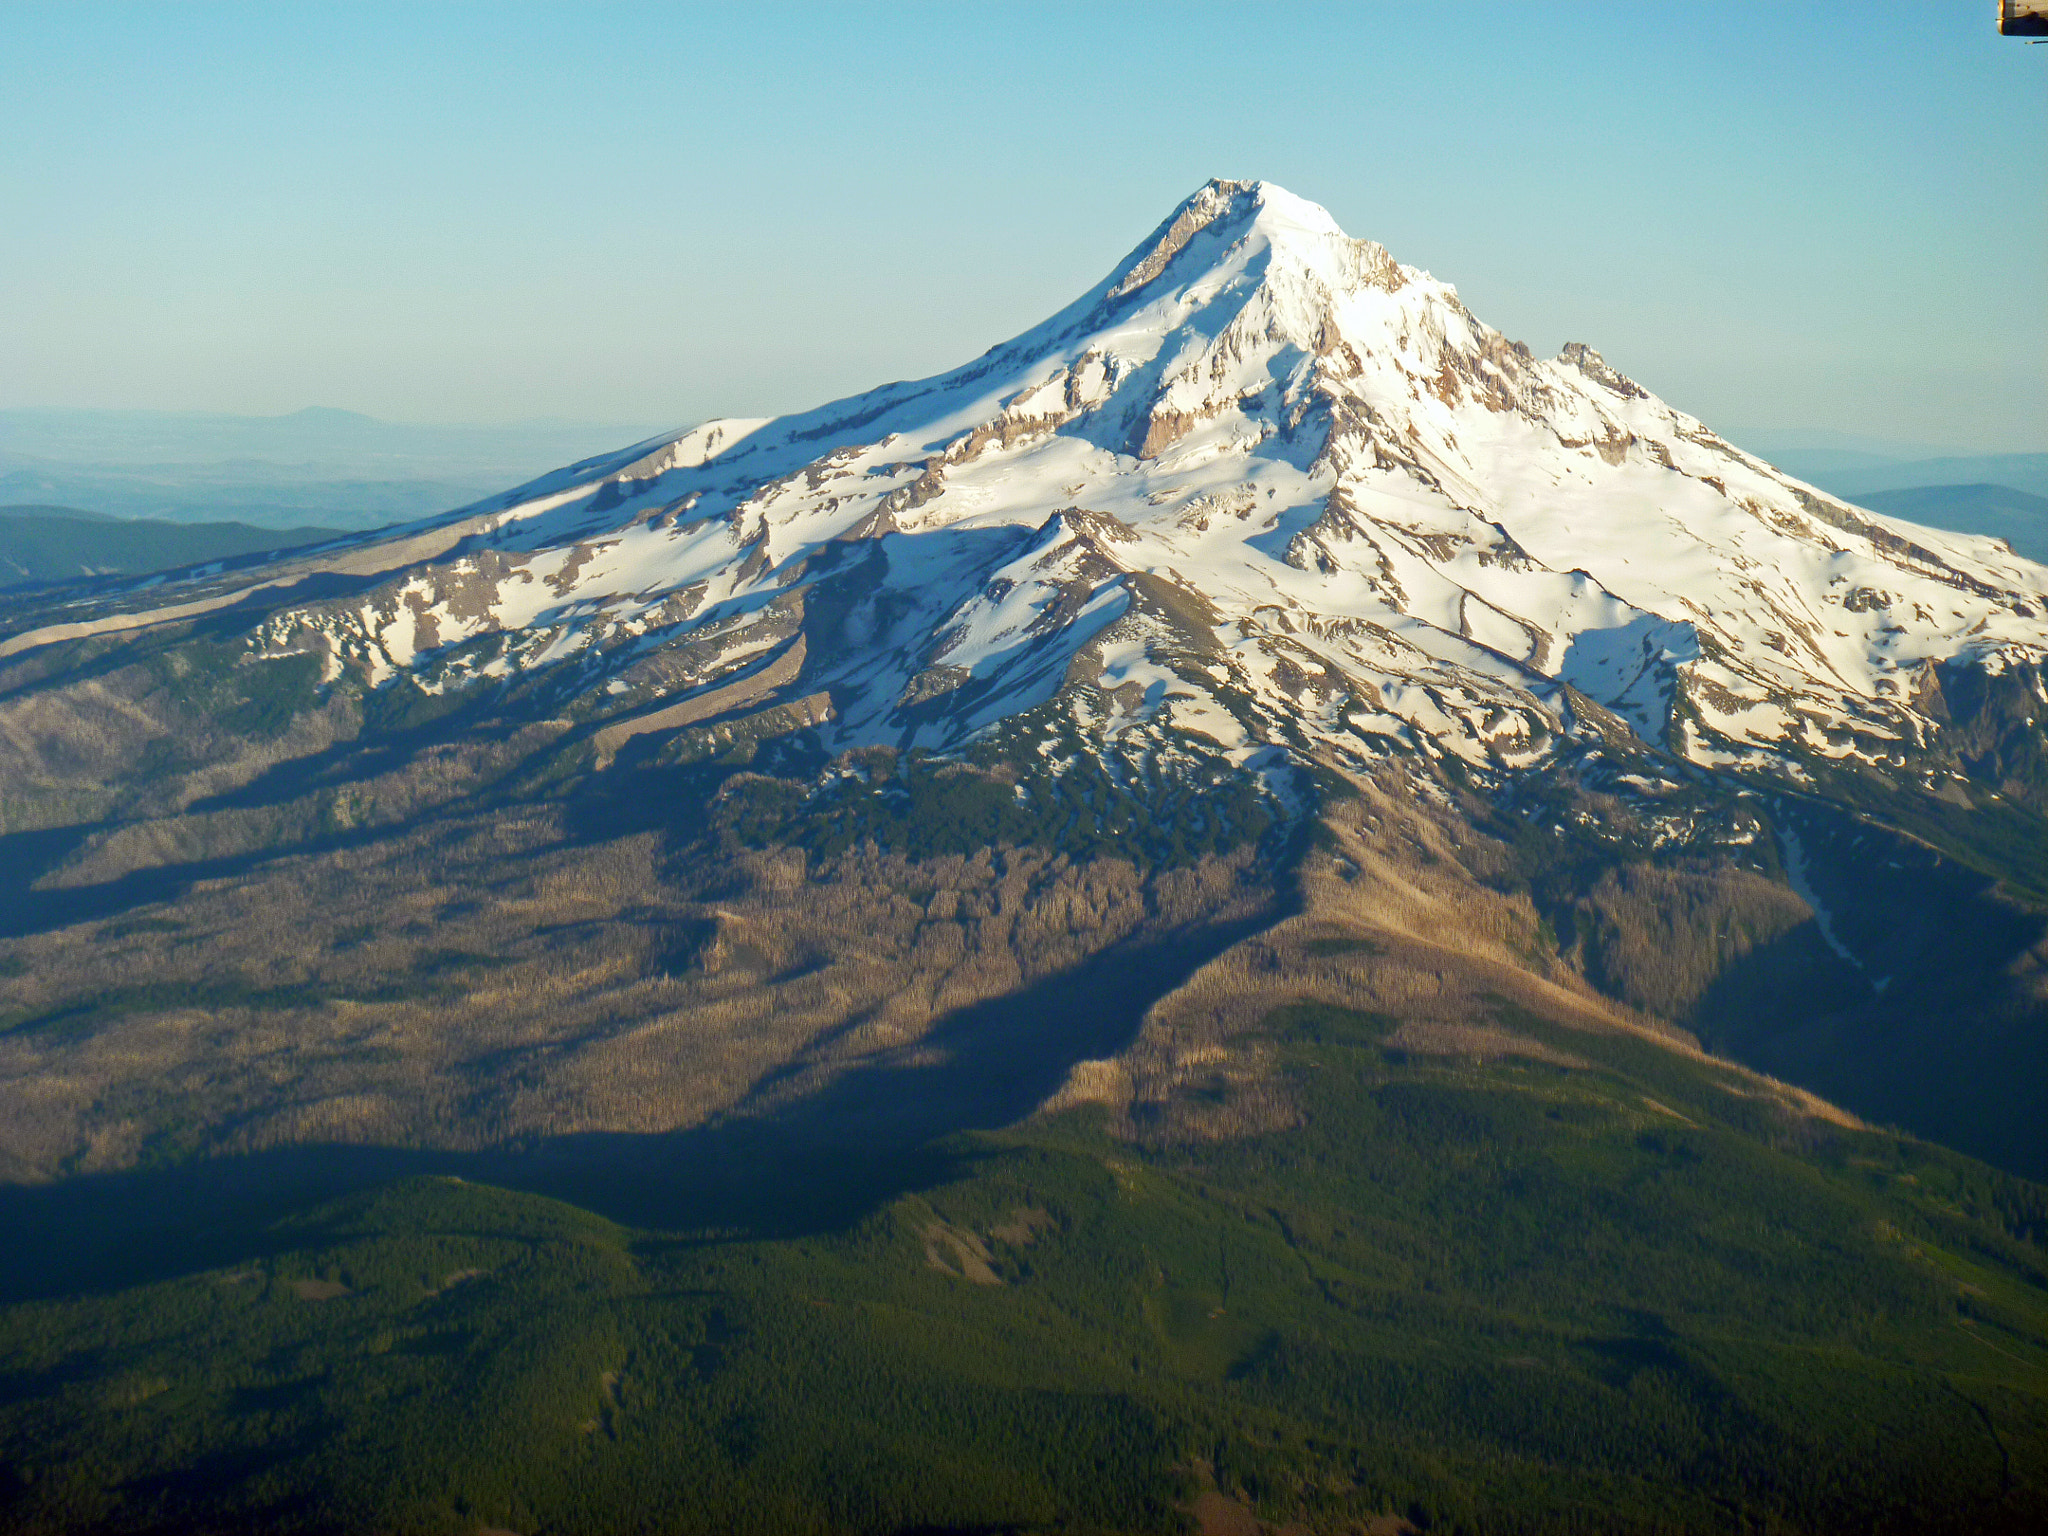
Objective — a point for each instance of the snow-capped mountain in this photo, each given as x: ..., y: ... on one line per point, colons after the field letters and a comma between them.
x: 1262, y: 484
x: 1261, y: 614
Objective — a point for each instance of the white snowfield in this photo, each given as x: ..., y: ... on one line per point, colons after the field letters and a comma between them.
x: 1261, y: 484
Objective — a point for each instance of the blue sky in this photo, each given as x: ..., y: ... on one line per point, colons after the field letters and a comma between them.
x: 1786, y: 218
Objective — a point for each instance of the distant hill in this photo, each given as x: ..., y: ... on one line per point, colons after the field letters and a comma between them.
x: 1859, y: 476
x: 333, y: 468
x: 257, y: 494
x: 50, y: 543
x: 2019, y: 518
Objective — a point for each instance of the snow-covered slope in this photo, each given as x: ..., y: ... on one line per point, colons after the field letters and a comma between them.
x: 1261, y: 485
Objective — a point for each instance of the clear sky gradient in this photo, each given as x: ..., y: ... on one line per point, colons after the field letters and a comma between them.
x: 1812, y: 217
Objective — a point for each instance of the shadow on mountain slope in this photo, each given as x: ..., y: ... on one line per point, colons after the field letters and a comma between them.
x: 811, y: 1162
x: 26, y: 908
x: 991, y: 1063
x: 1915, y: 997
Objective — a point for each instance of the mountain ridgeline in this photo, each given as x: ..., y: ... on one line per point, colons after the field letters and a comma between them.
x: 41, y: 544
x: 1335, y: 893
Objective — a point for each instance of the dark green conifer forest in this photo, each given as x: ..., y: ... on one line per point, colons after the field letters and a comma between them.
x: 1479, y: 1296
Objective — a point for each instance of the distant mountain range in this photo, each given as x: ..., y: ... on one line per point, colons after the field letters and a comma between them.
x: 319, y: 466
x: 1856, y: 475
x: 2018, y: 517
x: 2004, y: 495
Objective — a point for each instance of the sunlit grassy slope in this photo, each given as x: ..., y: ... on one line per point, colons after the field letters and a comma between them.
x: 1481, y: 1296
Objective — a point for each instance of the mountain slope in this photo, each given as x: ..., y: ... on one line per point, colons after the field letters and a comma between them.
x: 1261, y: 517
x: 1151, y: 927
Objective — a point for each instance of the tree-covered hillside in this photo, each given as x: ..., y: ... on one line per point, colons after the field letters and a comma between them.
x: 1542, y: 1280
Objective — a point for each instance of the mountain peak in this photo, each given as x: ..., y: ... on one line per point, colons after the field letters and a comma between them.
x: 1260, y: 453
x: 1227, y: 215
x: 1264, y: 203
